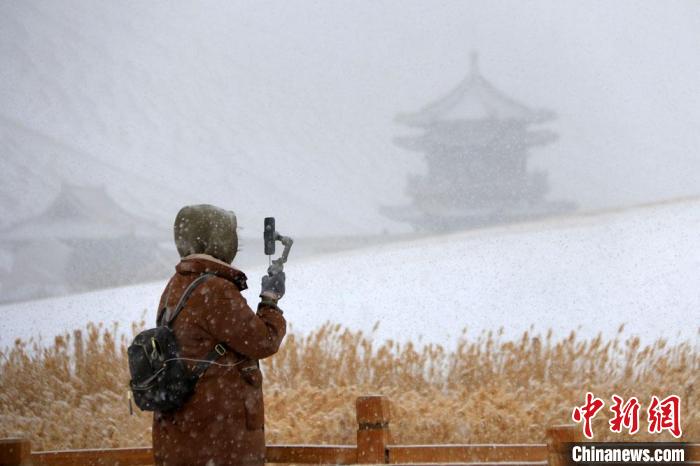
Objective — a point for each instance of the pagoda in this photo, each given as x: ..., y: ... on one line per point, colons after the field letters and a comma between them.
x: 82, y: 241
x: 476, y: 142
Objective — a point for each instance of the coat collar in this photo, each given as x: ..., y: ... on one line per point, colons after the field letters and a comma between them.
x: 204, y: 263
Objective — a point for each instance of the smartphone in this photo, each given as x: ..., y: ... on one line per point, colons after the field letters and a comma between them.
x: 269, y: 236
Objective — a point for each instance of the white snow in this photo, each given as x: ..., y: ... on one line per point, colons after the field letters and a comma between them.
x: 640, y: 267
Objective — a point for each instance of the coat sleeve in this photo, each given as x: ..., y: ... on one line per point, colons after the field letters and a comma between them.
x: 232, y: 321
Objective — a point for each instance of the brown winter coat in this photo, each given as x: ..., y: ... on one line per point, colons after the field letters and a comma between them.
x: 223, y: 422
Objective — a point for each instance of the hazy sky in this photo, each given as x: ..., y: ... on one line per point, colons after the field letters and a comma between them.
x: 295, y: 100
x: 624, y: 77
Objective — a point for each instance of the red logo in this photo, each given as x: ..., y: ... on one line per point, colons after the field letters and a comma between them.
x: 625, y: 415
x: 661, y: 414
x: 587, y: 412
x: 665, y: 415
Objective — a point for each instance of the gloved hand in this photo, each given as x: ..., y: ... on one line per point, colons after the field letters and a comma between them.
x: 273, y: 285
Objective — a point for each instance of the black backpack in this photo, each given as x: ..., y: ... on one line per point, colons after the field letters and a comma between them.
x: 160, y: 380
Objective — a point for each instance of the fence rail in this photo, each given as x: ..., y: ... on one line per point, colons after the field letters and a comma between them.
x: 373, y: 446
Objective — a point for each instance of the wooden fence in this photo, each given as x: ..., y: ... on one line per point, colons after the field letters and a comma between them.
x: 373, y: 446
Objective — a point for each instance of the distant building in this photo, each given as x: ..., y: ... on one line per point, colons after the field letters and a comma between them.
x: 82, y: 241
x: 476, y: 144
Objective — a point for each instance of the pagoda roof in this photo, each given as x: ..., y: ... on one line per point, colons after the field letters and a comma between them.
x: 474, y: 99
x: 82, y: 212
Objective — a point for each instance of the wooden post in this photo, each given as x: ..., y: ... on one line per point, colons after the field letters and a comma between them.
x: 557, y: 438
x: 373, y: 429
x: 15, y: 452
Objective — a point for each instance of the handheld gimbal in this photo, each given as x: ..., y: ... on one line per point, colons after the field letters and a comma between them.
x: 270, y: 235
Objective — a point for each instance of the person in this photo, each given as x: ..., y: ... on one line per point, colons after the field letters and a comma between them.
x: 222, y: 423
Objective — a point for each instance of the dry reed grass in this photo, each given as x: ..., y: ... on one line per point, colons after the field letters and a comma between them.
x: 72, y: 394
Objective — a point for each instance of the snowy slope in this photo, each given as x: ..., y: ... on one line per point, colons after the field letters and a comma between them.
x: 640, y: 267
x: 34, y: 166
x: 170, y: 101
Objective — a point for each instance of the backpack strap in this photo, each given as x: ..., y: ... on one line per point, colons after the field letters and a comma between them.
x: 218, y: 351
x: 185, y: 296
x: 162, y: 310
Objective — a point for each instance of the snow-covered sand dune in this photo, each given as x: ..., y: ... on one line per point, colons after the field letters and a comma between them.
x: 588, y: 273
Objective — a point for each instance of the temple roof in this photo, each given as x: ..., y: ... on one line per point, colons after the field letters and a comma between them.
x: 474, y: 99
x: 82, y: 212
